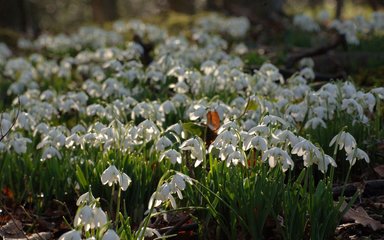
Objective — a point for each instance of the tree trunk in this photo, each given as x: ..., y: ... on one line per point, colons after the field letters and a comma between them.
x: 19, y: 16
x: 104, y: 10
x: 264, y: 9
x: 183, y: 6
x: 212, y: 5
x: 339, y: 8
x: 12, y: 15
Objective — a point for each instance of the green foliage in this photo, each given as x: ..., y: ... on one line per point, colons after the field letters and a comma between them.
x: 254, y: 59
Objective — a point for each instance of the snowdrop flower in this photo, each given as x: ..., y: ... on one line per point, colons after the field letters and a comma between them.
x: 193, y: 145
x: 173, y: 155
x: 271, y: 72
x: 296, y: 80
x: 148, y: 232
x: 95, y: 109
x: 248, y: 124
x: 167, y: 107
x: 366, y: 99
x: 111, y: 176
x: 324, y: 161
x: 357, y: 154
x: 379, y: 92
x: 256, y: 142
x: 227, y: 137
x: 19, y: 144
x: 272, y: 119
x: 196, y: 111
x: 297, y: 111
x: 71, y: 235
x: 352, y: 107
x: 181, y: 87
x: 178, y: 129
x: 262, y: 130
x: 49, y: 153
x: 165, y: 191
x: 226, y: 151
x: 276, y: 155
x: 344, y: 140
x: 73, y: 140
x: 147, y: 130
x: 110, y: 235
x: 308, y: 151
x: 305, y: 23
x: 208, y: 67
x: 307, y: 73
x: 84, y: 216
x: 228, y: 126
x: 348, y: 90
x: 235, y: 158
x: 163, y: 143
x: 90, y: 217
x: 314, y: 123
x: 143, y: 109
x: 180, y: 99
x: 178, y: 184
x: 320, y: 112
x: 78, y: 128
x: 163, y: 194
x: 5, y: 126
x: 301, y: 91
x: 285, y: 136
x: 25, y: 121
x: 85, y: 198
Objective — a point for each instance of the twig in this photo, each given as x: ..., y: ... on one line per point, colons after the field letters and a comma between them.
x: 13, y: 122
x: 175, y: 228
x: 33, y: 219
x: 290, y: 61
x: 186, y: 227
x: 319, y: 77
x: 13, y: 220
x: 371, y: 188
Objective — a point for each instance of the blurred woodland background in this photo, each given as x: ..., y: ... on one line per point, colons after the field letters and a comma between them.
x: 33, y: 17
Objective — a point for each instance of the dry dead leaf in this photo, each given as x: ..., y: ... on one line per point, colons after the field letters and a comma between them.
x: 35, y: 236
x: 379, y: 170
x: 378, y: 205
x: 359, y: 215
x: 13, y: 229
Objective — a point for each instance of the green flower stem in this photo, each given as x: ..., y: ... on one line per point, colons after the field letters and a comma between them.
x: 112, y: 197
x: 224, y: 202
x: 118, y: 206
x: 346, y: 179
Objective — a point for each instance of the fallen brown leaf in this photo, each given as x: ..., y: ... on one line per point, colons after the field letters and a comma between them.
x: 378, y: 205
x: 359, y: 215
x: 13, y: 229
x: 379, y: 170
x: 35, y: 236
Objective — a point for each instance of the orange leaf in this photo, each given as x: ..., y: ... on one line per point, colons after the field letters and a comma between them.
x: 213, y: 120
x: 213, y: 124
x: 8, y: 192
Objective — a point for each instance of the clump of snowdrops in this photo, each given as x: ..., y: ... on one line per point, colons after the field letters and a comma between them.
x: 86, y: 108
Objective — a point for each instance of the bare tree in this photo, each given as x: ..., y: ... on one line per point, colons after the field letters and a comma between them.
x: 19, y: 16
x: 261, y: 9
x: 104, y: 10
x: 184, y: 6
x: 339, y: 8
